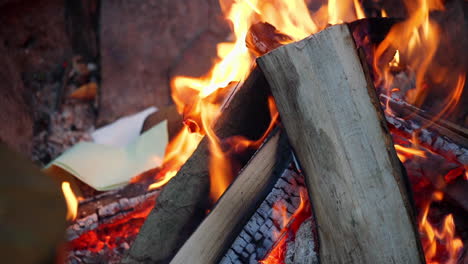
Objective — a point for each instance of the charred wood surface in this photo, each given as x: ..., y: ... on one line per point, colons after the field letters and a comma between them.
x: 333, y: 118
x: 260, y: 233
x: 183, y: 202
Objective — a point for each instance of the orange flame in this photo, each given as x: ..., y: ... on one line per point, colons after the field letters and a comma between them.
x: 416, y: 41
x: 72, y: 201
x: 410, y: 151
x: 340, y: 11
x: 234, y: 63
x: 435, y: 240
x: 286, y: 224
x: 167, y: 177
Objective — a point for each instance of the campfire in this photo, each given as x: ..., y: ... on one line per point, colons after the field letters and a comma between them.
x: 324, y: 131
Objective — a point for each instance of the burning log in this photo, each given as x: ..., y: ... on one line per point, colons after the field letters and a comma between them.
x: 216, y: 233
x: 332, y: 116
x: 183, y: 202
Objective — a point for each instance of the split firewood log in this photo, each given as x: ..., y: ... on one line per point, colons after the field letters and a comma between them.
x: 332, y: 116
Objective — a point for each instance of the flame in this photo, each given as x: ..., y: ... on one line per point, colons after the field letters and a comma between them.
x: 233, y: 65
x: 359, y: 10
x: 413, y: 43
x: 340, y: 11
x: 409, y: 151
x: 234, y: 62
x: 72, y: 201
x: 287, y: 226
x: 443, y: 240
x: 416, y: 41
x: 396, y: 60
x: 167, y: 177
x: 383, y: 13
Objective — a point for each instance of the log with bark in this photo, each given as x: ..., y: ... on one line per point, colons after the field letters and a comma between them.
x: 332, y: 116
x: 217, y: 232
x: 183, y: 202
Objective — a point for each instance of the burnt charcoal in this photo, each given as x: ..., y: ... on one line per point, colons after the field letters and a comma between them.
x: 258, y: 235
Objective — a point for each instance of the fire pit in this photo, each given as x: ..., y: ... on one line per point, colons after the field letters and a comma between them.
x: 287, y: 149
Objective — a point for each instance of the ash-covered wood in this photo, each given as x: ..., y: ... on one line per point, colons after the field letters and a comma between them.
x: 258, y: 235
x: 183, y: 202
x: 445, y: 155
x: 301, y: 250
x: 332, y: 116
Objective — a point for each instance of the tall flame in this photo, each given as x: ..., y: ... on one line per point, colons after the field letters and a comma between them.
x: 233, y: 64
x: 416, y: 41
x: 72, y: 201
x: 433, y: 239
x: 413, y: 42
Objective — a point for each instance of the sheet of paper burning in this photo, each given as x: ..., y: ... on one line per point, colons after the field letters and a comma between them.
x: 106, y: 167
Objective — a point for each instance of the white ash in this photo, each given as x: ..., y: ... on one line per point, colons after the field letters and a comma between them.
x: 439, y: 143
x: 301, y: 250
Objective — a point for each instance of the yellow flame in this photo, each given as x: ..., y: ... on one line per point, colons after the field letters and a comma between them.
x: 72, y: 201
x: 433, y: 238
x: 395, y: 62
x: 167, y: 177
x: 235, y: 62
x: 412, y: 151
x: 359, y: 10
x: 383, y: 13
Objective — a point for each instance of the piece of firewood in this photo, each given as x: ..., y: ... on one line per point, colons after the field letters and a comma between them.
x: 215, y: 234
x: 332, y: 116
x: 183, y: 202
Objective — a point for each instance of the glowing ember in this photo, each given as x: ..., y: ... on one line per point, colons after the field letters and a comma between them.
x: 113, y: 235
x: 288, y: 227
x: 72, y: 201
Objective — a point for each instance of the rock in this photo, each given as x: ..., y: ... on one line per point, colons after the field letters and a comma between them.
x: 82, y: 22
x: 17, y: 125
x: 143, y: 42
x: 34, y: 33
x: 33, y: 47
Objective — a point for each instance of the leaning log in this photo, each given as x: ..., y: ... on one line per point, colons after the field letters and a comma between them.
x: 183, y: 202
x: 332, y: 116
x: 216, y: 233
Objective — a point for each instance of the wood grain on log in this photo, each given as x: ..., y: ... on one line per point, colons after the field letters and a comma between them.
x: 184, y: 200
x: 216, y: 233
x: 334, y: 122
